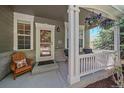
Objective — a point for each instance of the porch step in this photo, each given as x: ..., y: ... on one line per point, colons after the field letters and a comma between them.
x: 44, y: 68
x: 92, y: 78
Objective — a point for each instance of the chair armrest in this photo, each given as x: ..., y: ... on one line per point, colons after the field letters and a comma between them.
x: 29, y: 61
x: 13, y: 66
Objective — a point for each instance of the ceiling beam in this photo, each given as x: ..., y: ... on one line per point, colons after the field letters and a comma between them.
x: 117, y: 8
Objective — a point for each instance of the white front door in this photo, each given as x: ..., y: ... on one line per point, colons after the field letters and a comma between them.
x: 44, y: 42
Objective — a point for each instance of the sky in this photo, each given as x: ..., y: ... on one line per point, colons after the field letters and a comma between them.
x: 94, y: 32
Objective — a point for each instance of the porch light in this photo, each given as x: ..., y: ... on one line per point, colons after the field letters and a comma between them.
x: 58, y: 29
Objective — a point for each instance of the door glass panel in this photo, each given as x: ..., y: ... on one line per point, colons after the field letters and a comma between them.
x: 45, y: 43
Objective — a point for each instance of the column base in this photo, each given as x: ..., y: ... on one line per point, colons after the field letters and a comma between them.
x: 73, y: 80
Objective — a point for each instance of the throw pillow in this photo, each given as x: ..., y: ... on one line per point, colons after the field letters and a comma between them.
x: 21, y: 63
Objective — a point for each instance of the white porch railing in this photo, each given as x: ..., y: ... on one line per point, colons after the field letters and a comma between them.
x: 90, y: 63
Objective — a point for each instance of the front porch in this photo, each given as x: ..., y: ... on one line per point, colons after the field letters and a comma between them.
x: 81, y: 69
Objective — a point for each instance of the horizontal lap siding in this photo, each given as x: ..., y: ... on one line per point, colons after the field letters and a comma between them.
x: 6, y: 29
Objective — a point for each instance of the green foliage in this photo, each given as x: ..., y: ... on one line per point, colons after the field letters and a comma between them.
x: 118, y: 69
x: 122, y: 23
x: 104, y: 40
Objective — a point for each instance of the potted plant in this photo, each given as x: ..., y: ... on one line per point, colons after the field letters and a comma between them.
x: 118, y: 77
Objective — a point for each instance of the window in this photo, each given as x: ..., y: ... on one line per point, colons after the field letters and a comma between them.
x: 24, y: 35
x: 23, y: 31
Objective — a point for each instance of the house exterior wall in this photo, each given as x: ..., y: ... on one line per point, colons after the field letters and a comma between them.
x: 6, y: 39
x: 6, y: 29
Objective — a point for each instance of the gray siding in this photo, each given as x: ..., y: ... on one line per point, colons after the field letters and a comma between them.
x: 6, y: 39
x: 6, y: 29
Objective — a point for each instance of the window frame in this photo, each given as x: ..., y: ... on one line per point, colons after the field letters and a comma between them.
x: 23, y: 17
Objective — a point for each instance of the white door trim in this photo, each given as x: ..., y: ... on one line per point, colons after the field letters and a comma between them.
x: 41, y: 26
x: 66, y: 34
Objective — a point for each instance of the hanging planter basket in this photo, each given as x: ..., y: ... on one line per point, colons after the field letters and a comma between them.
x: 93, y: 20
x: 107, y: 24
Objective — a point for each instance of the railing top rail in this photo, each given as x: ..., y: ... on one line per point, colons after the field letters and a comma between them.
x: 86, y: 55
x: 97, y: 53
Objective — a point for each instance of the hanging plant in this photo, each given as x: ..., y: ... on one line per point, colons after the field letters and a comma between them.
x: 93, y: 19
x: 118, y: 77
x: 107, y: 23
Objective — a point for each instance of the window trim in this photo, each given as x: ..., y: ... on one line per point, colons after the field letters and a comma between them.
x: 23, y: 17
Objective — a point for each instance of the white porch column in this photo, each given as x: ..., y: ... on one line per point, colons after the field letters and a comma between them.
x: 77, y: 63
x: 71, y: 44
x: 73, y: 64
x: 117, y: 43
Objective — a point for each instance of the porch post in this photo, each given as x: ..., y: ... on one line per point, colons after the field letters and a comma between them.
x: 77, y: 63
x: 117, y: 43
x: 71, y: 44
x: 73, y: 64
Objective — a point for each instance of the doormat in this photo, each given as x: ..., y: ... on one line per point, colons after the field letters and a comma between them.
x: 45, y: 62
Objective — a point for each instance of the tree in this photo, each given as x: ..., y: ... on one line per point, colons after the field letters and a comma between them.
x: 104, y: 40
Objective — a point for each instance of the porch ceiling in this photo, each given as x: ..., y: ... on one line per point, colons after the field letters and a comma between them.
x: 120, y: 8
x: 56, y: 12
x: 109, y: 11
x: 59, y: 12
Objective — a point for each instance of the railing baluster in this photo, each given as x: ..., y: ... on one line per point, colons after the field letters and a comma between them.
x: 94, y: 62
x: 84, y: 64
x: 80, y: 66
x: 90, y: 64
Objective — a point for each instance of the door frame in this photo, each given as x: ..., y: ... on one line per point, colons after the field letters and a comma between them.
x: 42, y: 26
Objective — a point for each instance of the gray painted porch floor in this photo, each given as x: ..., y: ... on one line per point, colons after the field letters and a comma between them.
x: 52, y: 79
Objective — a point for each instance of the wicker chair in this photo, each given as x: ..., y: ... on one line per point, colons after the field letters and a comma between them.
x: 16, y: 57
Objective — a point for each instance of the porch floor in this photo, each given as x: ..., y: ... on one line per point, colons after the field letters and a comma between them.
x: 51, y: 79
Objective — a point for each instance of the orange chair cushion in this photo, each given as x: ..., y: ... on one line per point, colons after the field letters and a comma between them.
x: 18, y: 70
